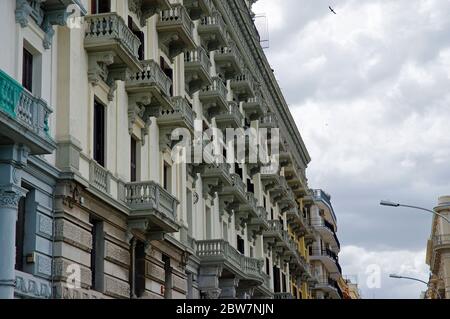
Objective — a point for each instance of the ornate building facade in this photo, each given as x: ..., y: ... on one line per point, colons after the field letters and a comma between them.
x: 93, y: 202
x: 438, y: 253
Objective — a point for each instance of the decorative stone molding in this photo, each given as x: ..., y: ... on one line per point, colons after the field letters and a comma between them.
x: 61, y: 291
x: 142, y: 13
x: 61, y: 273
x: 154, y: 271
x: 28, y: 286
x: 116, y: 254
x: 116, y: 288
x: 10, y: 197
x: 70, y: 233
x: 45, y: 225
x: 43, y: 18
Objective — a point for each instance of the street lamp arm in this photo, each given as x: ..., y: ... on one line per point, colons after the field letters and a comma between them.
x: 418, y: 280
x: 427, y: 210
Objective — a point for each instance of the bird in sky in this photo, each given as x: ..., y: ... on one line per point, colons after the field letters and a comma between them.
x: 331, y: 9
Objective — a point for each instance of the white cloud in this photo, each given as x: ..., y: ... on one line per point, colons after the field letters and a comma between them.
x: 370, y: 95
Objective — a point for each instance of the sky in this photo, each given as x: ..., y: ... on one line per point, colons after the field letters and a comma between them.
x: 369, y: 89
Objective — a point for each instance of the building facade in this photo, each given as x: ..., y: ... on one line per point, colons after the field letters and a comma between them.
x: 438, y: 253
x: 105, y: 106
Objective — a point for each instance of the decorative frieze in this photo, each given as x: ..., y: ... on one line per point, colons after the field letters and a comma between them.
x: 28, y: 286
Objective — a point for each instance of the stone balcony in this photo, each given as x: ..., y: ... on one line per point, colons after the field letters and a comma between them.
x: 328, y: 258
x: 221, y: 253
x: 24, y: 117
x: 228, y: 60
x: 112, y: 48
x: 233, y: 118
x: 258, y: 223
x: 273, y: 234
x: 296, y: 221
x: 243, y: 86
x: 181, y: 115
x: 287, y: 200
x: 234, y: 193
x: 329, y: 286
x: 196, y: 68
x: 212, y: 31
x: 175, y: 31
x: 153, y: 210
x: 198, y: 8
x: 255, y: 107
x: 269, y: 121
x: 215, y: 176
x: 270, y: 179
x: 144, y: 9
x: 148, y: 94
x: 214, y: 98
x: 46, y: 14
x: 327, y: 231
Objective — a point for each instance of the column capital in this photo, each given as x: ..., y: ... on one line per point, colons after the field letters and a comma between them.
x: 10, y: 196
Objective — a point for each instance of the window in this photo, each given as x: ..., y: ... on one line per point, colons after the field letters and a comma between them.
x: 284, y: 283
x: 141, y: 37
x: 250, y: 186
x: 240, y: 245
x: 238, y: 170
x: 99, y: 133
x: 139, y: 257
x: 167, y: 176
x: 267, y: 266
x: 276, y: 279
x: 97, y: 253
x: 27, y: 70
x: 100, y: 6
x: 133, y: 160
x: 168, y: 279
x: 20, y: 235
x: 271, y: 213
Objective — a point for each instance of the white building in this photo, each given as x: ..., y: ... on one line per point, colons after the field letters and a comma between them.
x: 102, y: 197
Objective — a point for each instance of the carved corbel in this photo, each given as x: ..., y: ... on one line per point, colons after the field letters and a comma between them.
x: 23, y: 12
x: 98, y: 66
x: 116, y: 74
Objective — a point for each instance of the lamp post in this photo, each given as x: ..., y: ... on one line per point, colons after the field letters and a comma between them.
x: 392, y: 204
x: 418, y: 280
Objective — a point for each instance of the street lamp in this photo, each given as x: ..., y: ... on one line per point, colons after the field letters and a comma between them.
x: 392, y: 204
x: 415, y: 279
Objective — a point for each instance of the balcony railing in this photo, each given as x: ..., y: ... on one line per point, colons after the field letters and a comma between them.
x: 214, y: 97
x: 330, y: 284
x: 182, y: 114
x: 220, y: 251
x: 327, y: 253
x: 243, y: 85
x: 228, y: 60
x: 100, y: 28
x: 232, y: 118
x: 99, y: 177
x: 150, y: 202
x: 269, y: 121
x: 176, y: 30
x: 255, y: 107
x: 212, y: 31
x: 198, y: 8
x: 197, y: 65
x: 29, y: 112
x: 151, y: 76
x: 321, y: 195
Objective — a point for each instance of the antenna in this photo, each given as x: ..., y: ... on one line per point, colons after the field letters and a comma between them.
x: 262, y: 25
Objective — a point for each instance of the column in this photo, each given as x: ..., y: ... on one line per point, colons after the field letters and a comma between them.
x: 12, y: 159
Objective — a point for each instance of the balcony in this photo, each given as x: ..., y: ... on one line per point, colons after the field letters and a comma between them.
x: 287, y: 200
x: 148, y: 94
x: 24, y: 117
x: 328, y: 258
x: 153, y: 209
x: 112, y: 48
x: 46, y: 14
x: 255, y: 107
x: 214, y: 98
x: 220, y: 252
x: 212, y: 31
x: 175, y: 30
x: 243, y: 86
x: 233, y: 118
x: 327, y: 231
x: 323, y: 199
x: 296, y: 221
x: 180, y: 115
x: 144, y: 9
x: 198, y: 8
x: 330, y: 287
x: 269, y: 121
x: 228, y: 60
x: 196, y: 69
x: 258, y: 223
x: 273, y: 234
x: 215, y: 177
x: 233, y: 194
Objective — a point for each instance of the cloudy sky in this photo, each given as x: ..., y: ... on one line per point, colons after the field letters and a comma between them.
x: 369, y: 89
